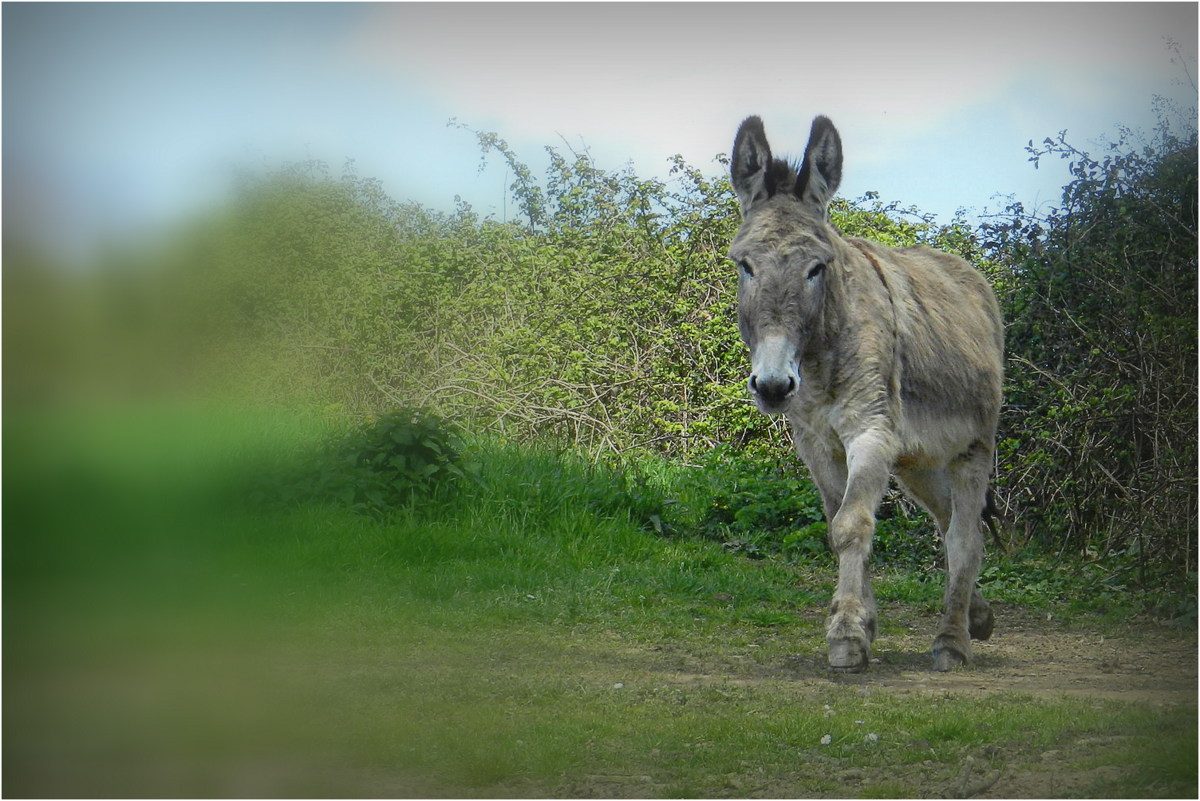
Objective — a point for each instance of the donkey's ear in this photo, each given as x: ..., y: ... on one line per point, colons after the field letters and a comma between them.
x: 821, y: 171
x: 750, y: 165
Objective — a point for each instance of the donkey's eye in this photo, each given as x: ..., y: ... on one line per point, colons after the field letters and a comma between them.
x: 746, y: 268
x: 815, y: 270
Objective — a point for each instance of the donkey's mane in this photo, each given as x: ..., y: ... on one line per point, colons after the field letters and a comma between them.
x: 787, y: 176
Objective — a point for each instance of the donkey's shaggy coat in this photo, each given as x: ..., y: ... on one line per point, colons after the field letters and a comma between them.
x: 885, y: 362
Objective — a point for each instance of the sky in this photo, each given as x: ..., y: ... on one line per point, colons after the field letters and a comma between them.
x: 122, y: 118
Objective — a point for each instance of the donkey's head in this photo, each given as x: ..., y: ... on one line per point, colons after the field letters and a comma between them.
x: 782, y: 250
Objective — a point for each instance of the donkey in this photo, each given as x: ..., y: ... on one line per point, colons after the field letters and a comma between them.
x: 885, y: 361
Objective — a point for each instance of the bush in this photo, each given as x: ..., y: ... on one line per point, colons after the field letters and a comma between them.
x: 1098, y: 436
x: 605, y: 318
x: 404, y: 457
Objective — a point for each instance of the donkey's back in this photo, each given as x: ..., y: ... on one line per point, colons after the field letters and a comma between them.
x: 949, y: 345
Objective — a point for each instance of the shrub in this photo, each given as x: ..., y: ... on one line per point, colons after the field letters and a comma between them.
x: 404, y: 456
x: 1098, y: 442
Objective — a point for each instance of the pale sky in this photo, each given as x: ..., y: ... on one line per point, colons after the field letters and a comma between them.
x: 120, y: 117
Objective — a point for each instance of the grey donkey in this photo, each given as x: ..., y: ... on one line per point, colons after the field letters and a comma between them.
x: 885, y: 362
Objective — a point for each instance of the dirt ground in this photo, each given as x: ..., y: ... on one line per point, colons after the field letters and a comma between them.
x: 1029, y: 654
x: 1035, y: 655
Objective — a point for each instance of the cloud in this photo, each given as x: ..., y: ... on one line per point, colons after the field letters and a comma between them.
x: 118, y: 109
x: 678, y: 77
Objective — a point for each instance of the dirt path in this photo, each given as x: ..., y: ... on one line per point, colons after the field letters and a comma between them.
x: 1029, y: 654
x: 1035, y: 655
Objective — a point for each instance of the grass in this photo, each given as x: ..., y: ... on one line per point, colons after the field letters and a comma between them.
x: 168, y: 633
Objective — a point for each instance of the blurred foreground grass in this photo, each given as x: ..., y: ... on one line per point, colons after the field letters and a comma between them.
x: 166, y: 635
x: 169, y: 633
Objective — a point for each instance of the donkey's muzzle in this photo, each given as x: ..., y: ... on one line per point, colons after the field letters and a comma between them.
x: 772, y: 390
x: 774, y: 376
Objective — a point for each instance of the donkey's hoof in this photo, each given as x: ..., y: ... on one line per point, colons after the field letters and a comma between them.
x: 848, y: 656
x: 981, y: 630
x: 951, y: 649
x: 949, y: 655
x: 981, y: 625
x: 947, y: 658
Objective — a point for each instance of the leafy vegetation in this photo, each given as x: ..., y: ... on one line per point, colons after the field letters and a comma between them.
x: 1098, y: 447
x: 601, y: 318
x: 402, y: 457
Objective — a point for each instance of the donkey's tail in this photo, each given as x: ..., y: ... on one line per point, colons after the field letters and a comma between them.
x: 990, y: 516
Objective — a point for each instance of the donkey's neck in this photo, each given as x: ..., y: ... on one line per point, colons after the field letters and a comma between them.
x: 837, y: 344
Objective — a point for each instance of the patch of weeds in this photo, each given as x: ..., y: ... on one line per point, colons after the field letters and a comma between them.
x: 749, y: 501
x: 904, y: 535
x: 403, y: 455
x: 760, y: 506
x: 1114, y: 587
x: 1023, y: 579
x: 810, y: 541
x: 622, y: 488
x: 920, y: 588
x: 543, y: 482
x: 1180, y: 609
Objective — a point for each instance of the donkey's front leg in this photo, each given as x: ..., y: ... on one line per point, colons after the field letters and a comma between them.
x: 852, y: 616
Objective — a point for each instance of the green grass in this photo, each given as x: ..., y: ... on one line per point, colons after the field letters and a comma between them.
x: 169, y: 633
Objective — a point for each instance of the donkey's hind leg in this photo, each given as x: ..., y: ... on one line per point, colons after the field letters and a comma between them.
x: 967, y: 614
x: 931, y: 489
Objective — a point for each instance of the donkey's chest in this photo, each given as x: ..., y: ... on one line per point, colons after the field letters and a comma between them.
x: 913, y: 439
x: 842, y: 407
x: 817, y: 415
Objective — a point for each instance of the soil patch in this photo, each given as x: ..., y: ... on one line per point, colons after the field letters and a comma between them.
x: 1033, y: 654
x: 1029, y: 654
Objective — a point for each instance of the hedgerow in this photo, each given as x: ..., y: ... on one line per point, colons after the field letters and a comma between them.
x: 603, y: 317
